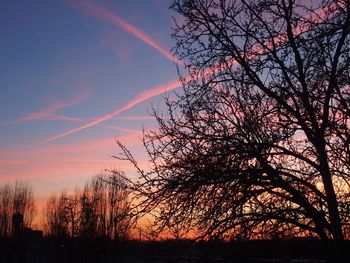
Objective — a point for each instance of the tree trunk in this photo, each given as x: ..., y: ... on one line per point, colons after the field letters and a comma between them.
x: 337, y: 245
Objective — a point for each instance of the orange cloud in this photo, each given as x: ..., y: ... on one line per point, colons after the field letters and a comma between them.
x: 95, y: 10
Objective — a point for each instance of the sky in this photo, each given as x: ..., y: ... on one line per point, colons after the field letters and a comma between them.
x: 74, y: 76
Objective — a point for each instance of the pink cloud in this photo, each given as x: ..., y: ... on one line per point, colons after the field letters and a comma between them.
x: 49, y: 112
x: 115, y: 127
x: 5, y: 162
x: 136, y: 118
x: 78, y: 159
x: 95, y: 10
x: 101, y: 145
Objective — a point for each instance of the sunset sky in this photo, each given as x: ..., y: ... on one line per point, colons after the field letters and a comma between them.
x: 74, y: 76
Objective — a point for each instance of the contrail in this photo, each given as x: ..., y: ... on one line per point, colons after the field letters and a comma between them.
x: 93, y: 9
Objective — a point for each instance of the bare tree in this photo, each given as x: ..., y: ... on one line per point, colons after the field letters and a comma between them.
x: 56, y: 216
x: 178, y: 224
x: 6, y: 196
x: 23, y: 202
x: 93, y: 203
x: 105, y: 207
x: 119, y: 216
x: 62, y: 215
x: 73, y: 213
x: 100, y: 210
x: 17, y: 198
x: 87, y: 225
x: 257, y: 143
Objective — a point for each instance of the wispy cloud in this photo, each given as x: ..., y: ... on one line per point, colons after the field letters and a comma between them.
x: 95, y: 10
x: 49, y: 112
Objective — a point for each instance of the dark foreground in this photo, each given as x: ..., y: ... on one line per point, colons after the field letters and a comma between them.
x: 170, y: 251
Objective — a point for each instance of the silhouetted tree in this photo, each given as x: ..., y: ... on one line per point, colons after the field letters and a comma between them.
x: 257, y: 143
x: 120, y: 219
x: 73, y: 212
x: 179, y: 224
x: 6, y: 195
x: 88, y: 213
x: 23, y: 202
x: 17, y: 198
x: 57, y: 216
x: 101, y: 210
x: 105, y: 207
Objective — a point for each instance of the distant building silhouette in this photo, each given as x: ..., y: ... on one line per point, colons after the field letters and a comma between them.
x: 25, y: 234
x: 33, y: 238
x: 17, y: 224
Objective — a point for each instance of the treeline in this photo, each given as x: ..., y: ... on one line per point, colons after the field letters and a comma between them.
x: 101, y: 209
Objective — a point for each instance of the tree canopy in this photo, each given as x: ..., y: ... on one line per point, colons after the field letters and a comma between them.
x: 256, y: 145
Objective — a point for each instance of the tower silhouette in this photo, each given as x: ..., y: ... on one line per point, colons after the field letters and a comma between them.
x: 17, y: 224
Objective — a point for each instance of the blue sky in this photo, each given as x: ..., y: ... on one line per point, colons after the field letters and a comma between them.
x: 66, y: 69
